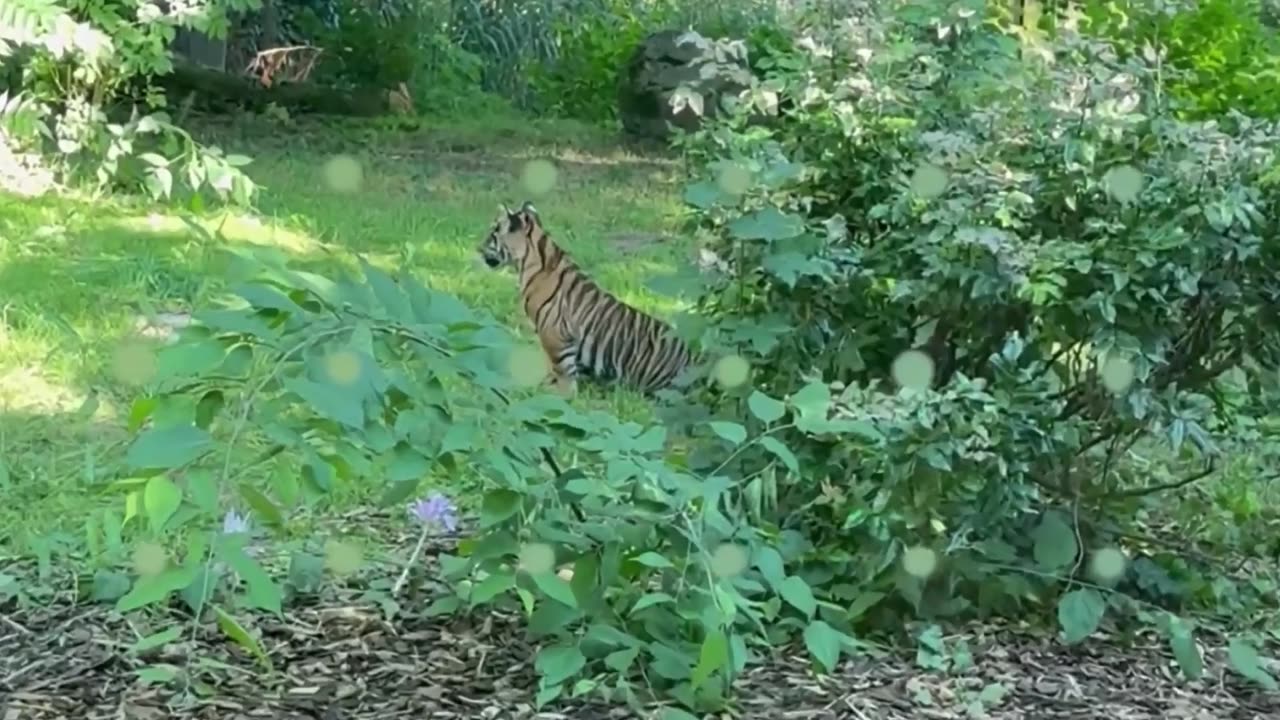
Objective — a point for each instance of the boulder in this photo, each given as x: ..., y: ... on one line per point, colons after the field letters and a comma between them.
x: 679, y: 77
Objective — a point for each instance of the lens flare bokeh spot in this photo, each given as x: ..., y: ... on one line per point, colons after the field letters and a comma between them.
x: 133, y: 363
x: 1107, y: 565
x: 732, y: 371
x: 1124, y: 183
x: 929, y: 181
x: 913, y: 369
x: 150, y: 559
x: 527, y: 365
x: 343, y: 173
x: 538, y: 177
x: 1117, y: 374
x: 729, y: 560
x: 537, y: 558
x: 920, y: 562
x: 342, y: 367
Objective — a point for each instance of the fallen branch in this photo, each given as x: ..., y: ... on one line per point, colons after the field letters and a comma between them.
x: 214, y: 90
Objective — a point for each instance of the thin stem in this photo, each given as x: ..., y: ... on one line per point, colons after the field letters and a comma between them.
x: 413, y: 560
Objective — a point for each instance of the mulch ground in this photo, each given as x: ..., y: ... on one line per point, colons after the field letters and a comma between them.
x: 348, y: 662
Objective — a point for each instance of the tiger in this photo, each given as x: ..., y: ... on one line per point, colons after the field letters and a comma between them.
x: 582, y: 328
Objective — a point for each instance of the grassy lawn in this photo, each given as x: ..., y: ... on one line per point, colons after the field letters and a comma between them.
x: 77, y: 276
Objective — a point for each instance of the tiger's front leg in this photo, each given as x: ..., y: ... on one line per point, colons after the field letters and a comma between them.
x: 562, y: 354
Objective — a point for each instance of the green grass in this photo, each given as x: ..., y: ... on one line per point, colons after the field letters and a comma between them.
x: 76, y: 274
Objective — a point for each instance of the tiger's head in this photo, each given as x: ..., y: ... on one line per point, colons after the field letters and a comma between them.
x: 509, y: 236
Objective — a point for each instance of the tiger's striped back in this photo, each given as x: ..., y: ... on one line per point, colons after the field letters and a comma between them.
x: 582, y: 327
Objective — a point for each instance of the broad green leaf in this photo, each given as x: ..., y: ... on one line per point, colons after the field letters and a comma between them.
x: 674, y: 713
x: 260, y: 590
x: 388, y: 292
x: 769, y: 224
x: 266, y: 297
x: 155, y: 640
x: 823, y: 643
x: 1245, y: 660
x: 109, y: 586
x: 208, y: 407
x: 651, y: 599
x: 1079, y: 613
x: 765, y: 408
x: 670, y: 663
x: 1055, y: 542
x: 731, y: 431
x: 203, y: 586
x: 704, y: 194
x: 491, y: 587
x: 620, y: 660
x: 653, y: 560
x: 558, y: 663
x: 202, y: 489
x: 555, y: 588
x: 154, y: 589
x: 798, y: 595
x: 812, y: 399
x: 443, y: 606
x: 1183, y: 644
x: 306, y: 571
x: 713, y: 656
x: 161, y: 674
x: 552, y: 618
x: 769, y: 561
x: 546, y: 695
x: 651, y: 440
x: 499, y: 505
x: 407, y: 464
x: 782, y: 452
x: 527, y: 601
x: 166, y: 448
x: 240, y: 636
x: 398, y: 492
x: 161, y: 499
x: 261, y: 505
x: 335, y: 403
x: 187, y: 359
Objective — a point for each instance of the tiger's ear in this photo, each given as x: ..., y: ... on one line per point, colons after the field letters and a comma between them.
x: 528, y: 209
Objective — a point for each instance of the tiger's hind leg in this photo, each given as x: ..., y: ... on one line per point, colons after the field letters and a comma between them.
x: 562, y: 355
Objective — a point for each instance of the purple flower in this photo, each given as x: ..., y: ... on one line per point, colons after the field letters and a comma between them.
x: 233, y: 522
x: 436, y: 509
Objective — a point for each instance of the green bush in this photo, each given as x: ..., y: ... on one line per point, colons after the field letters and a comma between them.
x: 592, y: 50
x: 1227, y: 54
x: 637, y: 575
x: 375, y: 46
x: 79, y: 63
x: 1038, y: 296
x: 594, y: 45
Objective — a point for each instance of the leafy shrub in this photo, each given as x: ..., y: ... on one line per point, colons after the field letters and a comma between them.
x: 592, y: 49
x: 1228, y: 55
x: 75, y: 70
x: 367, y: 45
x: 594, y: 43
x: 636, y: 574
x: 1062, y: 279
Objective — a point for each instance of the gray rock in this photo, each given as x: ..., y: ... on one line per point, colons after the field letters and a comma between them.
x: 679, y: 77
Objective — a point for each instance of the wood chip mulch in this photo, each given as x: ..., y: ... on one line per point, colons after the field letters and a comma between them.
x: 348, y: 662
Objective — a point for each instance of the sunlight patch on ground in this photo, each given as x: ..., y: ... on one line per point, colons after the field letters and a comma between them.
x: 25, y: 389
x: 236, y: 227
